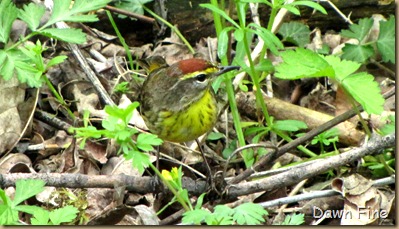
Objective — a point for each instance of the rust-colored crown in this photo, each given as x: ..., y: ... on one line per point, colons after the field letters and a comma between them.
x: 193, y: 65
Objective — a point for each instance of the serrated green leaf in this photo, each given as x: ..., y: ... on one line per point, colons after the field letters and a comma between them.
x: 7, y: 16
x: 359, y: 53
x: 62, y: 11
x: 140, y: 161
x: 294, y: 219
x: 28, y: 74
x: 296, y: 33
x: 249, y: 214
x: 386, y: 40
x: 310, y: 4
x: 6, y: 65
x: 146, y: 141
x: 289, y: 125
x: 40, y: 217
x: 31, y: 15
x: 24, y: 189
x: 196, y: 216
x: 302, y: 63
x: 342, y: 68
x: 63, y: 215
x: 360, y: 30
x: 68, y: 35
x: 365, y: 90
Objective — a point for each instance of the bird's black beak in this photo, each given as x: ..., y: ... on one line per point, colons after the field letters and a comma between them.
x: 225, y: 69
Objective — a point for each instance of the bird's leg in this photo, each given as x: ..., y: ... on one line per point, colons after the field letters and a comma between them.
x: 207, y: 167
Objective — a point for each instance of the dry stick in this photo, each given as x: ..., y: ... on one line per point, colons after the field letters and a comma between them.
x: 103, y: 94
x: 52, y: 120
x: 131, y: 14
x: 319, y: 194
x: 146, y: 184
x: 373, y: 146
x: 141, y: 185
x: 268, y: 158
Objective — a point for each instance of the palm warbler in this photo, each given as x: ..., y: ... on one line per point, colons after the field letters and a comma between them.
x: 177, y: 101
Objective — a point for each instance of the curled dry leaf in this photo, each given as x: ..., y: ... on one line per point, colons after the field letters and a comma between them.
x: 364, y: 204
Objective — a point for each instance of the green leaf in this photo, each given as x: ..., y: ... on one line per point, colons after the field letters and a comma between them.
x: 40, y: 217
x: 222, y: 215
x: 62, y: 11
x: 8, y: 215
x: 389, y: 128
x: 4, y: 198
x: 264, y: 65
x: 24, y: 189
x: 7, y: 16
x: 302, y: 63
x: 7, y: 64
x: 294, y: 219
x: 63, y: 215
x: 292, y: 9
x: 386, y: 40
x: 140, y: 160
x: 135, y: 6
x: 333, y: 132
x: 366, y: 91
x: 360, y: 30
x: 220, y: 12
x: 30, y: 209
x: 146, y: 141
x: 26, y: 73
x: 68, y: 35
x: 239, y: 34
x: 258, y: 1
x: 249, y: 214
x: 56, y: 60
x: 196, y: 216
x: 359, y: 53
x: 289, y: 125
x: 31, y: 14
x: 200, y: 200
x: 270, y: 39
x: 296, y: 33
x: 310, y: 4
x: 215, y: 136
x: 342, y: 68
x: 223, y: 41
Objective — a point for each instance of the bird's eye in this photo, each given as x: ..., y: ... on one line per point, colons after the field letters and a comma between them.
x: 201, y: 77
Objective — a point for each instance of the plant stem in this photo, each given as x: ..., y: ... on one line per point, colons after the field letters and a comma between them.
x: 172, y: 27
x: 174, y: 191
x: 123, y: 42
x: 300, y: 147
x: 58, y: 96
x: 229, y: 85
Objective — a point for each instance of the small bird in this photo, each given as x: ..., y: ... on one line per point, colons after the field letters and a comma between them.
x: 177, y: 101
